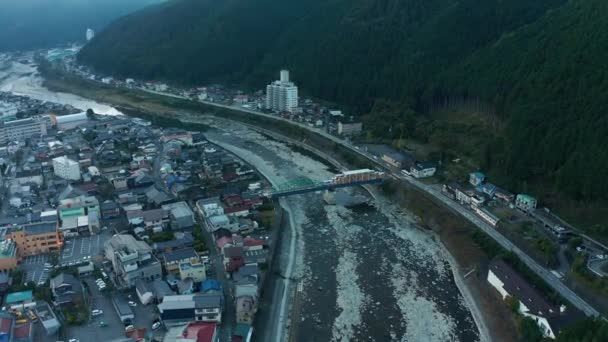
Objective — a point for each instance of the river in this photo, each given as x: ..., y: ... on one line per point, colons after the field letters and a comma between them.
x: 367, y: 274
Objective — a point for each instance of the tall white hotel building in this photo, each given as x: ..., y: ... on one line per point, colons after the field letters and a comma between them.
x: 282, y: 95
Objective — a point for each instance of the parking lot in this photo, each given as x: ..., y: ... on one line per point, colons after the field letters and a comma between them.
x: 33, y: 266
x: 92, y: 332
x: 80, y: 248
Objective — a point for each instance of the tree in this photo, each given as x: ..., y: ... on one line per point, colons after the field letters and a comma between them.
x: 585, y: 330
x: 528, y: 330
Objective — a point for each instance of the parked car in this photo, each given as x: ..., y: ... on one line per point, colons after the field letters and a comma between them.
x: 129, y: 328
x: 96, y: 312
x: 132, y: 304
x: 156, y: 326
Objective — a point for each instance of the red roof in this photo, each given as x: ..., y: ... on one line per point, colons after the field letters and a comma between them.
x: 22, y: 331
x: 249, y: 242
x: 233, y: 200
x: 201, y: 331
x: 221, y: 242
x: 230, y: 210
x: 234, y: 264
x: 137, y: 334
x: 5, y: 325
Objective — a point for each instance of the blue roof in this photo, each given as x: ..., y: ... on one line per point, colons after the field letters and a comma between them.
x: 210, y: 284
x: 18, y: 297
x: 479, y: 175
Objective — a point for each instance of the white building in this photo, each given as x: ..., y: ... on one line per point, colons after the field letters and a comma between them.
x: 20, y: 130
x: 66, y: 122
x: 550, y: 318
x: 282, y: 95
x: 66, y: 168
x: 90, y: 34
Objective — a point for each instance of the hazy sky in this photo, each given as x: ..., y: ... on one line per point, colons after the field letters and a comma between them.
x: 26, y: 24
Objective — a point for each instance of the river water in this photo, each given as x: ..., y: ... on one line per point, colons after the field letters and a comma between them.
x: 368, y: 274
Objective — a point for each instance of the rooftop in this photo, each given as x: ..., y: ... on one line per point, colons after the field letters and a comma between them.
x: 18, y: 297
x: 180, y: 254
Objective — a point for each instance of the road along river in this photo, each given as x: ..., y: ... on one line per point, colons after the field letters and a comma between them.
x: 366, y: 274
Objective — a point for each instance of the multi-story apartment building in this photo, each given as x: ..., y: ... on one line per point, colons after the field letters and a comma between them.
x: 66, y: 168
x: 282, y: 95
x: 20, y: 130
x: 35, y: 238
x: 131, y: 260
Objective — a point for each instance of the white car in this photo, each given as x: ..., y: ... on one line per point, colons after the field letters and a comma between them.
x: 132, y: 304
x: 156, y: 325
x: 73, y: 340
x: 129, y: 328
x: 96, y: 312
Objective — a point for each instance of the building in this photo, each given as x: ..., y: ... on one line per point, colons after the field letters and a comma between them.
x: 180, y: 214
x: 282, y: 95
x: 172, y: 259
x: 29, y: 176
x: 550, y: 318
x: 193, y: 270
x: 209, y: 207
x: 65, y: 168
x: 476, y: 178
x: 20, y: 300
x: 246, y: 308
x: 145, y: 292
x: 66, y: 122
x: 8, y: 255
x: 200, y: 307
x: 121, y: 305
x: 349, y: 128
x: 525, y: 203
x: 21, y: 130
x: 423, y: 169
x: 131, y: 260
x: 35, y: 238
x: 398, y: 160
x: 66, y: 289
x: 199, y: 332
x: 242, y: 333
x: 486, y: 215
x: 90, y: 34
x: 47, y: 317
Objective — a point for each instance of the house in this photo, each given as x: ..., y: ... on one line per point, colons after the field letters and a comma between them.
x: 172, y: 259
x: 160, y: 288
x: 156, y: 197
x: 144, y: 291
x: 66, y: 289
x: 246, y: 307
x: 242, y: 333
x: 185, y: 286
x: 201, y: 307
x: 549, y: 317
x: 200, y: 332
x: 487, y: 189
x: 193, y: 270
x: 423, y: 169
x: 109, y: 210
x: 181, y: 240
x: 47, y: 317
x: 395, y: 159
x: 525, y: 203
x: 180, y: 214
x: 131, y: 260
x: 233, y: 258
x: 476, y: 178
x: 155, y: 219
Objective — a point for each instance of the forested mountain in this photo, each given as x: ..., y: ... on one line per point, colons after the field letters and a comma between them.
x: 540, y: 66
x: 31, y: 24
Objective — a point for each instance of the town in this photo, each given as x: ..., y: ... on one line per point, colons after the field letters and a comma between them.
x: 114, y: 227
x: 159, y: 232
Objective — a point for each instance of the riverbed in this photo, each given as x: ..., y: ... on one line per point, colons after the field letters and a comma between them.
x: 368, y: 273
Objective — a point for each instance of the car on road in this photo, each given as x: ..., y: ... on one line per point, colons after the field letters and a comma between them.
x: 129, y: 328
x: 96, y: 312
x: 132, y: 304
x: 156, y: 326
x: 73, y: 340
x: 102, y: 324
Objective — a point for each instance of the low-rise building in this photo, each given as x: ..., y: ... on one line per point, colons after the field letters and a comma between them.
x: 476, y: 178
x: 35, y: 238
x: 29, y: 176
x: 200, y: 307
x: 423, y: 169
x: 20, y: 300
x: 180, y: 214
x: 525, y: 203
x: 172, y: 259
x: 66, y: 122
x: 550, y: 318
x: 485, y: 214
x: 47, y: 317
x: 193, y: 270
x: 145, y: 292
x: 349, y: 128
x: 131, y: 260
x: 66, y: 289
x: 121, y: 305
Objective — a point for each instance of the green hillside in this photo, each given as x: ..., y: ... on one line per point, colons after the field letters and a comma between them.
x: 538, y: 66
